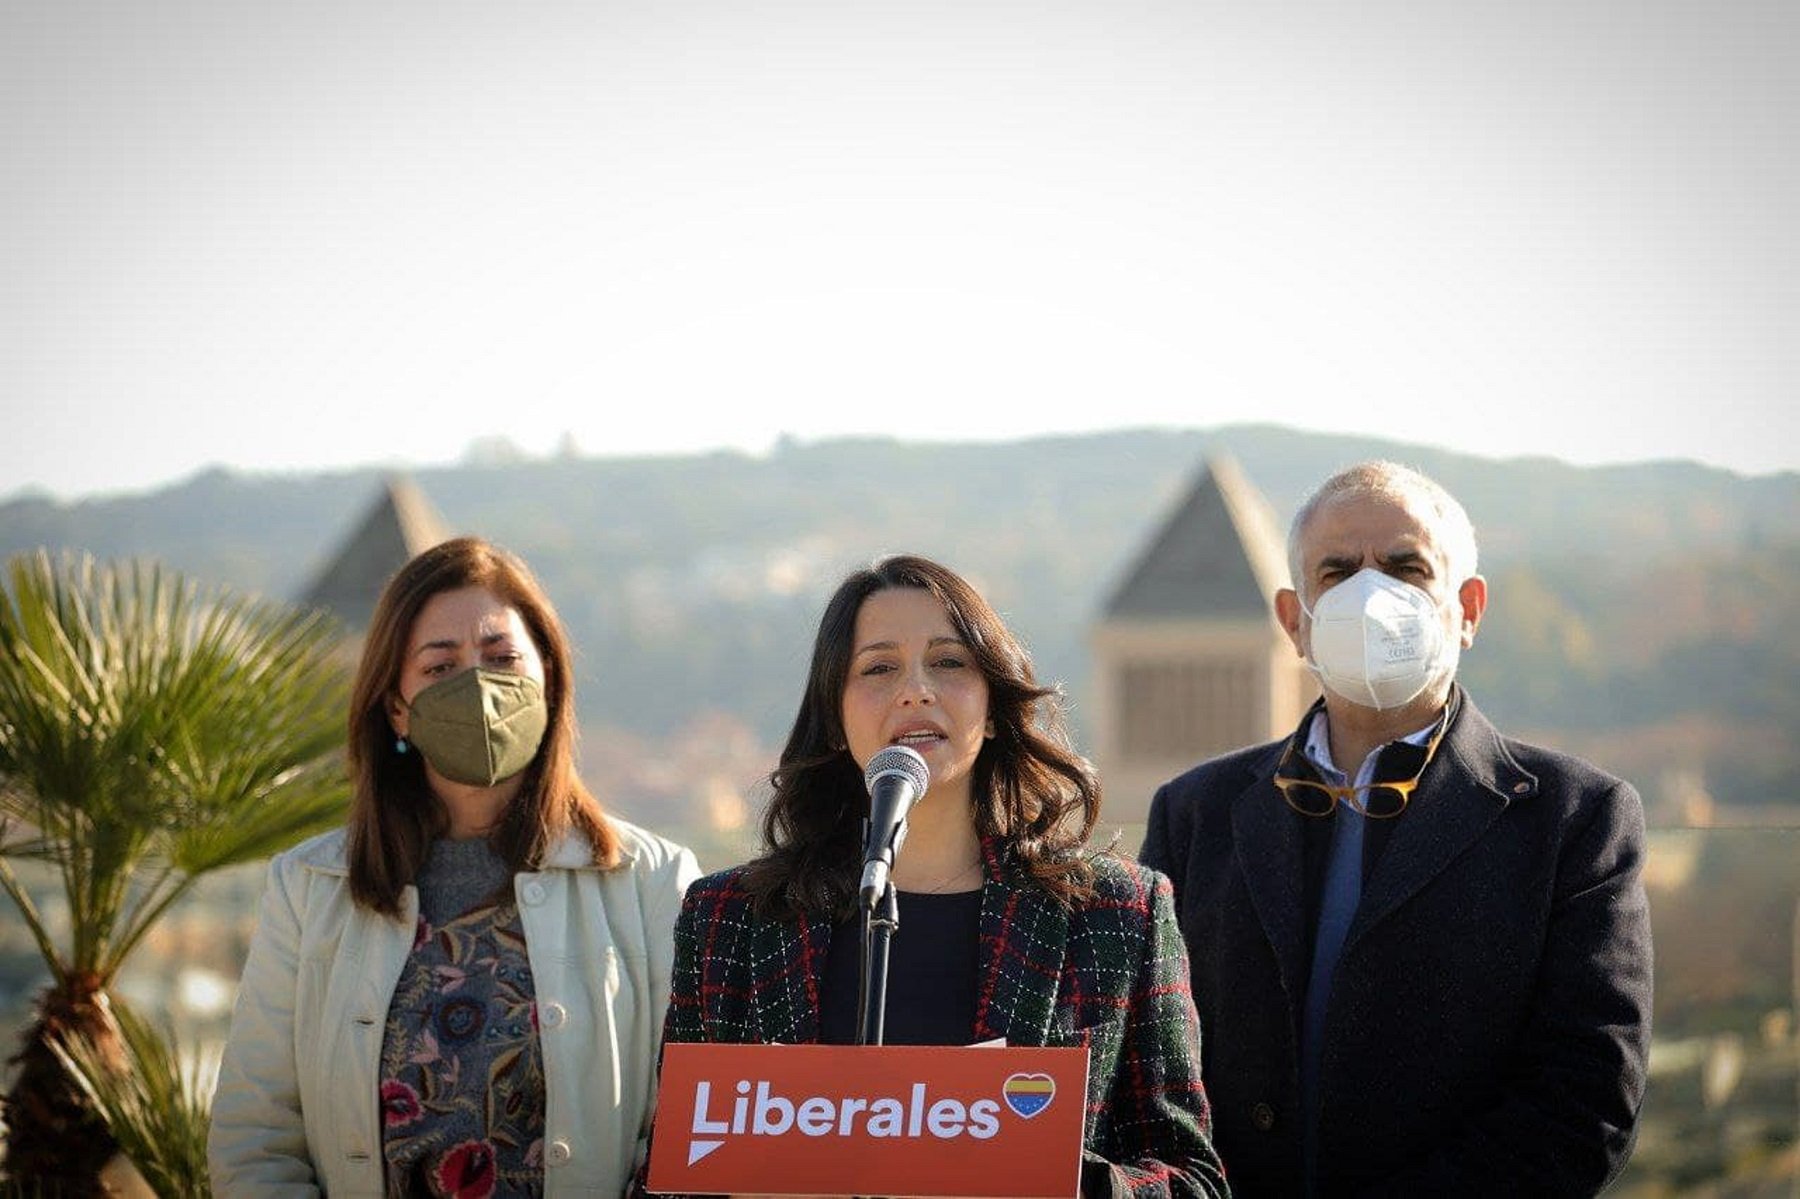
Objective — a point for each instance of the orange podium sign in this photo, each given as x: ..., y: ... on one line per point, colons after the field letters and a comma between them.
x: 870, y: 1120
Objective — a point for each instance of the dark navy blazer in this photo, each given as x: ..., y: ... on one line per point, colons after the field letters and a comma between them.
x: 1490, y: 1020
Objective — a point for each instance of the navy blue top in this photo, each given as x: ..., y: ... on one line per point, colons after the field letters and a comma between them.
x: 934, y: 959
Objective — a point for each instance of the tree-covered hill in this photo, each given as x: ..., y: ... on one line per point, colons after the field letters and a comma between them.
x: 1640, y: 614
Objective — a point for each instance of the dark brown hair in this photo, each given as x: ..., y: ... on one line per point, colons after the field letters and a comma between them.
x: 1030, y: 789
x: 393, y: 814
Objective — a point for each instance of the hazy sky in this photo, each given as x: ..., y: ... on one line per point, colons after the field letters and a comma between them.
x: 290, y: 235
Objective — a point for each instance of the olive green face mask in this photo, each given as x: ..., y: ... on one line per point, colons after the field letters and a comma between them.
x: 479, y: 727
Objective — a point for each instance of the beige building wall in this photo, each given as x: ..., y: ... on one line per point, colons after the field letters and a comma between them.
x: 1169, y: 694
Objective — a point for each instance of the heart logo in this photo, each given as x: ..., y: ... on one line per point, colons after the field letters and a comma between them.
x: 1028, y: 1094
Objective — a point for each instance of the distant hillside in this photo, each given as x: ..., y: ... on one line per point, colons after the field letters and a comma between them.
x: 1641, y: 613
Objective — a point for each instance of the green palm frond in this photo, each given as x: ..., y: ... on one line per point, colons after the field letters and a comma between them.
x: 156, y: 1108
x: 152, y: 731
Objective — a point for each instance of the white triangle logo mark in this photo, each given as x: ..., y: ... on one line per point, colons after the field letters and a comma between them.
x: 699, y: 1149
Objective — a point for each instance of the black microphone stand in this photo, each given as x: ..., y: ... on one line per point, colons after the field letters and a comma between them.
x: 880, y: 917
x: 878, y: 924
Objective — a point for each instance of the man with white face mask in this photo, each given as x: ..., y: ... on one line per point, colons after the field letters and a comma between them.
x: 1420, y: 949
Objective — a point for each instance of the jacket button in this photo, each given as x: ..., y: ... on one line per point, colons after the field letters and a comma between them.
x: 552, y: 1015
x: 1263, y: 1116
x: 557, y: 1154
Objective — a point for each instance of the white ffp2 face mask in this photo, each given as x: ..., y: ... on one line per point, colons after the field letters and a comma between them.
x: 1379, y: 642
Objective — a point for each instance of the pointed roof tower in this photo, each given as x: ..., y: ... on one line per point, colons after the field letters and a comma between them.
x: 399, y: 524
x: 1219, y: 554
x: 1189, y: 660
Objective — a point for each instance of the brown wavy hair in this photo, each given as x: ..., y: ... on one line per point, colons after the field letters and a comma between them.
x: 1031, y: 790
x: 393, y: 814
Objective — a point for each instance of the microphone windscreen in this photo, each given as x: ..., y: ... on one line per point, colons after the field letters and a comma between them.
x: 899, y: 759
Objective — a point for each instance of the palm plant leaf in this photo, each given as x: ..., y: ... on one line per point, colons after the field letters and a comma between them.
x: 156, y: 1106
x: 34, y: 921
x: 151, y: 732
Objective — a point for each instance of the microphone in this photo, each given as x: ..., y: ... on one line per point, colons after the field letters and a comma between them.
x: 897, y: 778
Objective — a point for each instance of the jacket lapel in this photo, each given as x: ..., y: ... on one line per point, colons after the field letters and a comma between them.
x: 1266, y: 836
x: 1024, y: 933
x: 1465, y: 789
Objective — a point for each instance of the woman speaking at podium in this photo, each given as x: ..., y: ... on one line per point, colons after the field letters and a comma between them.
x: 1010, y: 927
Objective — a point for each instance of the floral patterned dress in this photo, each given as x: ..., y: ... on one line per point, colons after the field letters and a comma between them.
x: 462, y: 1072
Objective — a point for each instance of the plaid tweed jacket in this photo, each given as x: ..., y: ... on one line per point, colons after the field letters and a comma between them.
x: 1110, y: 975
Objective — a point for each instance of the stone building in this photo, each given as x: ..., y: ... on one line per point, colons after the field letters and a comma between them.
x: 1189, y: 661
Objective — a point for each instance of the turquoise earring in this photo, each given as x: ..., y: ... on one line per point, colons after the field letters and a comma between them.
x: 400, y: 745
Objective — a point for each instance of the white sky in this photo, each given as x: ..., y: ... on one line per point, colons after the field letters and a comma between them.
x: 294, y: 235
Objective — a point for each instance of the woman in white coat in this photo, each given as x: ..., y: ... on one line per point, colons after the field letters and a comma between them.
x: 460, y: 993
